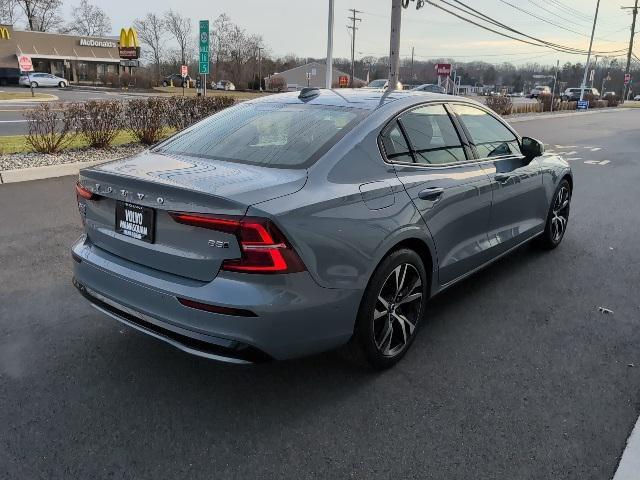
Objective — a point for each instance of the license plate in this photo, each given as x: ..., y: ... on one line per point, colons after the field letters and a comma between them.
x: 135, y: 221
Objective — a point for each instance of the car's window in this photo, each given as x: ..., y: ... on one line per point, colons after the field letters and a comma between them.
x: 395, y: 145
x: 377, y: 83
x: 432, y: 135
x: 269, y: 134
x: 490, y: 137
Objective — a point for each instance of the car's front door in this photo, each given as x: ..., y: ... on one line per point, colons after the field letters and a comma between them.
x: 448, y: 187
x: 519, y: 205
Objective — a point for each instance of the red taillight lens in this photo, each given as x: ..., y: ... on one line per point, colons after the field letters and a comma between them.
x: 84, y: 193
x: 264, y: 248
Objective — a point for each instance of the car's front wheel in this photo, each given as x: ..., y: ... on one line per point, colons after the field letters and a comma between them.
x: 391, y: 309
x: 62, y: 85
x: 557, y: 218
x: 34, y: 84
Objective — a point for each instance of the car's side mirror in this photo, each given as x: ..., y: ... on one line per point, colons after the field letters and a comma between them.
x: 532, y: 148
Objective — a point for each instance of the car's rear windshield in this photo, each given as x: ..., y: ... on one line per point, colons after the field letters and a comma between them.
x: 269, y: 134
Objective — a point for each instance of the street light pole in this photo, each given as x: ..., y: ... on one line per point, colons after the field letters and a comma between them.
x: 586, y: 67
x: 329, y: 68
x: 394, y: 47
x: 260, y: 67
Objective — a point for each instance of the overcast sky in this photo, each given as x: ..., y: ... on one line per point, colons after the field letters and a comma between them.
x: 301, y: 27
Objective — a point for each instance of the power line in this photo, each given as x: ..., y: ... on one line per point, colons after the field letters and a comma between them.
x: 550, y: 22
x: 485, y: 18
x: 353, y: 29
x: 578, y: 15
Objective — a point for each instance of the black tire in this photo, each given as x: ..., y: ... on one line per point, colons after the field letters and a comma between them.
x: 165, y: 84
x: 62, y: 85
x: 372, y: 342
x: 550, y: 238
x: 34, y: 84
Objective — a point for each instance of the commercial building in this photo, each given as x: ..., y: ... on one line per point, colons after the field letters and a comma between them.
x: 76, y: 58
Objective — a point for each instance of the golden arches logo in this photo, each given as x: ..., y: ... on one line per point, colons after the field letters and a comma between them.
x: 129, y: 38
x: 4, y: 33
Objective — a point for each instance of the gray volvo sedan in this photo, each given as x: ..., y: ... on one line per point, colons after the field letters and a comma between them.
x: 301, y: 222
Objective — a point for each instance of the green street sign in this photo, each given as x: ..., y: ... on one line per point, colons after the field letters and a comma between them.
x: 204, y: 48
x: 204, y: 63
x: 204, y: 35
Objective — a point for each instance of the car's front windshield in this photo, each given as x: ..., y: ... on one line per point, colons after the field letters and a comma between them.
x: 377, y: 84
x: 268, y: 134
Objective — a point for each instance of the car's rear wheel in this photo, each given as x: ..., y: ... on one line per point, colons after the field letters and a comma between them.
x: 165, y: 84
x: 34, y: 84
x: 391, y: 310
x: 557, y: 218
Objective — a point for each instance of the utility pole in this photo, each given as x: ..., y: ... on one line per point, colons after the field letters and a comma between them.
x: 633, y: 32
x: 555, y: 80
x: 260, y: 67
x: 394, y: 47
x: 412, y: 52
x: 586, y: 67
x: 353, y: 29
x: 329, y: 67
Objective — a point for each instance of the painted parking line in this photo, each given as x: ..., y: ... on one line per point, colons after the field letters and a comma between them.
x: 573, y: 158
x: 629, y: 466
x: 595, y: 149
x: 597, y: 162
x: 13, y: 121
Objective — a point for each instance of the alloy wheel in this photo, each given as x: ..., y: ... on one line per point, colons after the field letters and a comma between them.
x: 560, y: 214
x: 397, y: 310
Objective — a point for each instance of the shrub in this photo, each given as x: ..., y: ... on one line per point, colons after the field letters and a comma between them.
x: 146, y: 118
x: 185, y: 111
x: 99, y: 121
x: 51, y: 127
x: 500, y: 105
x: 277, y: 84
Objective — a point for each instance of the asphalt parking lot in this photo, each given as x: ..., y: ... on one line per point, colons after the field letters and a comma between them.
x: 516, y: 374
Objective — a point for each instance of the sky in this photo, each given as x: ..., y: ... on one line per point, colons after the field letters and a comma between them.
x: 301, y: 27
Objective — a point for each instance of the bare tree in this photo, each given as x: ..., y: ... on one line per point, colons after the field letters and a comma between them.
x: 8, y: 11
x: 220, y: 39
x: 89, y: 20
x: 181, y: 29
x: 151, y: 31
x: 233, y: 47
x: 41, y: 15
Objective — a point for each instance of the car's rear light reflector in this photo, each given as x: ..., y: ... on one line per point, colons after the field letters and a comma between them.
x: 84, y: 192
x: 264, y: 247
x: 238, y: 312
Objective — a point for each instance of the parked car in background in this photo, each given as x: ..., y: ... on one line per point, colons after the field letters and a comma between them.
x: 610, y: 94
x: 299, y: 222
x: 516, y: 95
x: 223, y: 85
x: 429, y: 87
x: 9, y: 76
x: 573, y: 94
x: 539, y: 90
x: 176, y: 80
x: 37, y: 79
x: 380, y: 84
x: 636, y: 98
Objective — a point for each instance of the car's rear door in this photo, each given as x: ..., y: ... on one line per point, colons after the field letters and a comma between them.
x: 519, y: 203
x: 447, y: 186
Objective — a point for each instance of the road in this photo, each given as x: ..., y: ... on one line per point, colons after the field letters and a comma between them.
x: 516, y: 374
x: 12, y: 120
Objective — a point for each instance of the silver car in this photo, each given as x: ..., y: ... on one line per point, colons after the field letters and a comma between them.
x: 38, y: 79
x: 300, y: 222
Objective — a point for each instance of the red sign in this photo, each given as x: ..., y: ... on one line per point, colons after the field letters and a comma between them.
x: 25, y: 63
x: 627, y: 78
x: 343, y: 80
x: 443, y: 69
x: 184, y: 71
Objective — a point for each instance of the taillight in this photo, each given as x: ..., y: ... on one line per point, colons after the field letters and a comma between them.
x: 264, y: 247
x: 83, y: 192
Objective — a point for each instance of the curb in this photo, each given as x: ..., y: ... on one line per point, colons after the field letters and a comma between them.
x: 52, y: 98
x: 551, y: 116
x: 40, y: 173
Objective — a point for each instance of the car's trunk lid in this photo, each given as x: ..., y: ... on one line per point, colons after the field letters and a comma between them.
x: 154, y: 185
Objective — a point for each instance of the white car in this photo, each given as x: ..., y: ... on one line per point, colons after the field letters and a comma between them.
x: 223, y: 85
x: 37, y: 79
x: 381, y: 84
x: 637, y: 98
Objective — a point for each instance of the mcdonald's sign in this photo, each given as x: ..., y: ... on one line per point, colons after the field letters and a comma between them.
x: 4, y: 33
x: 129, y: 47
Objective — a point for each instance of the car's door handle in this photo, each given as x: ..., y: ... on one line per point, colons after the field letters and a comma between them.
x: 431, y: 193
x: 503, y: 177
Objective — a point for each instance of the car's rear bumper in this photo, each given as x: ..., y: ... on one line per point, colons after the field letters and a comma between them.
x: 294, y: 316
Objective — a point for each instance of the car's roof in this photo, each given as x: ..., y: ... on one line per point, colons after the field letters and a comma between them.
x: 368, y: 99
